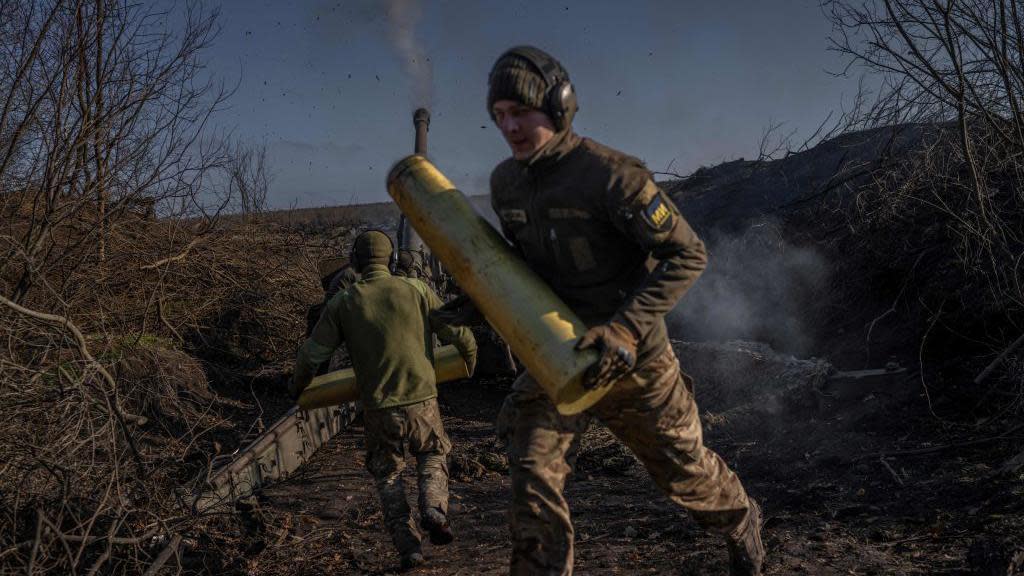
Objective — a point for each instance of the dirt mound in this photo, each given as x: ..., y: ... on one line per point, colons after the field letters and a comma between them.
x: 857, y: 248
x: 730, y: 196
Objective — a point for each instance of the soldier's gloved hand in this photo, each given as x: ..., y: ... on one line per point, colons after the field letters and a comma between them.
x: 617, y: 346
x: 459, y: 312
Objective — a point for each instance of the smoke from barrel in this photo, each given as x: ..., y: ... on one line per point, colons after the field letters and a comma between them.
x: 403, y: 18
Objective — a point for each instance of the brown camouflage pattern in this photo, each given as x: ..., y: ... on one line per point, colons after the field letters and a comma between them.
x: 389, y: 432
x: 653, y: 412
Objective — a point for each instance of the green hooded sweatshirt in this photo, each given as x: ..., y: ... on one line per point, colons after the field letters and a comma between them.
x: 385, y: 322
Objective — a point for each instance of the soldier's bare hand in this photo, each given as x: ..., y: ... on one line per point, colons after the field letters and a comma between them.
x: 617, y: 346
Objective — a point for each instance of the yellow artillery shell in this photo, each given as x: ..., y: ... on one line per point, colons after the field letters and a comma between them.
x: 339, y: 387
x: 539, y: 327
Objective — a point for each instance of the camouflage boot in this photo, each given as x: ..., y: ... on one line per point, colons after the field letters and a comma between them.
x: 436, y: 524
x: 412, y: 560
x: 746, y: 552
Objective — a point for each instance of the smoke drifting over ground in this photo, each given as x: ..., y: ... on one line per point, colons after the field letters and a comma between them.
x: 403, y: 16
x: 756, y: 287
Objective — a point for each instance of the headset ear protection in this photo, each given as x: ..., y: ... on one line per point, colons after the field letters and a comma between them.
x: 560, y: 96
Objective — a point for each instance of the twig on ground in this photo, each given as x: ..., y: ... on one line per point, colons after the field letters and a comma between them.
x: 180, y: 256
x: 999, y: 360
x: 891, y: 471
x: 934, y: 449
x: 920, y: 360
x: 165, y: 555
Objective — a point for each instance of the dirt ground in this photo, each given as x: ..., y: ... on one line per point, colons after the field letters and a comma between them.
x: 855, y: 478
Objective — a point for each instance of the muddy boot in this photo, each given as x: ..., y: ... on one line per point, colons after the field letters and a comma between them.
x: 436, y: 524
x: 412, y: 560
x: 746, y: 552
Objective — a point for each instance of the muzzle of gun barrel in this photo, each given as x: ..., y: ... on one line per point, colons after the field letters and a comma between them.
x: 421, y: 120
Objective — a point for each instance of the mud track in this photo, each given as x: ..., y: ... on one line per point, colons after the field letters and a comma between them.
x: 833, y: 504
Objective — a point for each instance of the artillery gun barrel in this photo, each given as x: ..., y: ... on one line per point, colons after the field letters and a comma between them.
x: 408, y: 239
x: 421, y: 120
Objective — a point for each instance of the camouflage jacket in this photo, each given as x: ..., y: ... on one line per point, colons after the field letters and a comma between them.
x: 594, y: 225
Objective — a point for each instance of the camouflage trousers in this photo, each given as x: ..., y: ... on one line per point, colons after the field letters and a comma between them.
x: 652, y: 410
x: 388, y: 432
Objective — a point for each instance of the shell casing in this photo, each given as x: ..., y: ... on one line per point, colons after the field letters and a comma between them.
x: 539, y: 327
x: 340, y: 386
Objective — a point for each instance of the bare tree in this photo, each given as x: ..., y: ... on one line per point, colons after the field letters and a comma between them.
x: 955, y: 60
x: 102, y: 107
x: 105, y: 123
x: 957, y: 65
x: 248, y: 178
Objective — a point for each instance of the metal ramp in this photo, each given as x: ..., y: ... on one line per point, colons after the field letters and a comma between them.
x: 275, y: 454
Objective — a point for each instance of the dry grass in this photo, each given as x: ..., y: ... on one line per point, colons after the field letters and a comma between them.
x: 109, y: 418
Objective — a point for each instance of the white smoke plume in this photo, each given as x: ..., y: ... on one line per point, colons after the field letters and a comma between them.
x: 757, y: 287
x: 403, y: 17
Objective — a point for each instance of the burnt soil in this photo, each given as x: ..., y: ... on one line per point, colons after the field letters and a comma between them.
x: 864, y: 480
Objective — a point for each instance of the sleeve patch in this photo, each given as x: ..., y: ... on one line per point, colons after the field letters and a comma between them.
x: 657, y: 213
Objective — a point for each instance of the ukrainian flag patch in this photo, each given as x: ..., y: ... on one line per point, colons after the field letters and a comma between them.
x: 657, y: 213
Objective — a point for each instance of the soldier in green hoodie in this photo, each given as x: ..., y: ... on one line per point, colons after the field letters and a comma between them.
x: 385, y: 322
x: 592, y: 223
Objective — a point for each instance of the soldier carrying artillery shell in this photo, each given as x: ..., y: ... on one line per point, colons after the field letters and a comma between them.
x: 384, y: 320
x: 591, y: 222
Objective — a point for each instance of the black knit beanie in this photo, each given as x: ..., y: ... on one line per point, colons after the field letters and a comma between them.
x: 371, y: 247
x: 514, y: 78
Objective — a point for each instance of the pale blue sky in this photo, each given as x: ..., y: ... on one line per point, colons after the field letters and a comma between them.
x: 681, y: 82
